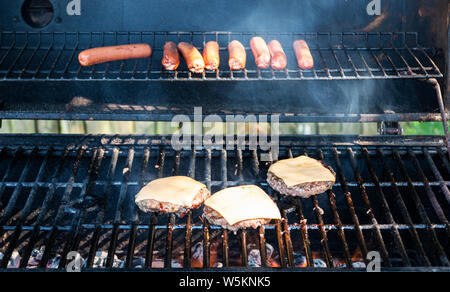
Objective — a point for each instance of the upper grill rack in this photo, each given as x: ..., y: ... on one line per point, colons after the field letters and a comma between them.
x: 355, y: 55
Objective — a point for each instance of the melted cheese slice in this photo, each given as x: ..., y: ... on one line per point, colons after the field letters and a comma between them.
x: 177, y: 190
x: 300, y: 170
x: 243, y: 203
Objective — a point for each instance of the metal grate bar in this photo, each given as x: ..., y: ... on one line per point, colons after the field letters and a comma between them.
x: 143, y: 178
x: 151, y: 241
x: 287, y: 239
x: 403, y: 209
x: 169, y: 242
x: 38, y: 47
x: 54, y: 232
x: 74, y: 234
x: 118, y: 207
x: 244, y: 254
x: 187, y: 242
x: 16, y: 157
x: 423, y: 214
x: 188, y: 234
x: 206, y: 236
x: 43, y: 210
x: 278, y: 223
x: 32, y: 195
x: 17, y: 190
x: 351, y: 207
x: 107, y: 191
x: 87, y: 190
x: 437, y: 175
x: 262, y: 246
x: 304, y: 228
x: 224, y: 172
x: 387, y: 211
x: 376, y: 227
x: 281, y: 248
x: 430, y: 193
x: 337, y: 221
x: 318, y: 212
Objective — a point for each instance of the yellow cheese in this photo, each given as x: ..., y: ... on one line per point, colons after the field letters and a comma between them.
x: 301, y: 170
x: 177, y: 190
x: 243, y: 203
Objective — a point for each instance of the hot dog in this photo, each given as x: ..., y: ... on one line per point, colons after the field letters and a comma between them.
x: 279, y: 60
x: 304, y: 58
x: 192, y: 56
x: 261, y: 52
x: 211, y: 56
x: 171, y: 57
x: 100, y: 55
x: 238, y: 57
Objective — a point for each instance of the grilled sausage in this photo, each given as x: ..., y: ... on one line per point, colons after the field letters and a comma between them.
x: 100, y: 55
x: 238, y: 57
x: 261, y: 52
x: 279, y: 59
x: 171, y: 57
x: 304, y: 58
x: 211, y: 55
x: 192, y: 56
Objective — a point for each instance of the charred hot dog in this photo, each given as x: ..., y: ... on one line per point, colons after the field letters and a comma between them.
x: 100, y: 55
x: 238, y: 57
x: 278, y: 57
x: 304, y: 58
x: 211, y: 55
x: 171, y: 57
x: 261, y: 52
x: 192, y: 56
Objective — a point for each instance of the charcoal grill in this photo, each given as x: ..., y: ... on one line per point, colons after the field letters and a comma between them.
x: 64, y: 193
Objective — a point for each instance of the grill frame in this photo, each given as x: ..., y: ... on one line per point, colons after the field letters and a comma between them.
x: 133, y: 145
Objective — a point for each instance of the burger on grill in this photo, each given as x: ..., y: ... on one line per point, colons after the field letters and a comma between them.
x: 240, y: 207
x: 300, y: 177
x: 175, y: 194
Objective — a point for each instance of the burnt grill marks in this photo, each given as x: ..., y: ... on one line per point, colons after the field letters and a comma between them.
x: 54, y: 219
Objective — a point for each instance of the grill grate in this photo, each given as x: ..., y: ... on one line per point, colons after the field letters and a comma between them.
x: 80, y: 197
x: 356, y: 55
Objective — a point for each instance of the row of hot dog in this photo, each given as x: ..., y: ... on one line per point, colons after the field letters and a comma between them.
x: 266, y: 55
